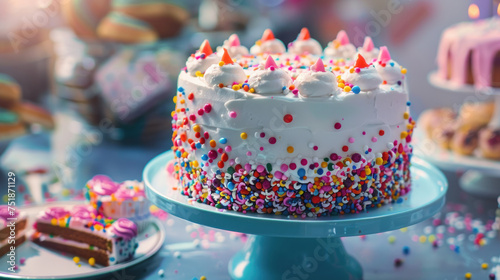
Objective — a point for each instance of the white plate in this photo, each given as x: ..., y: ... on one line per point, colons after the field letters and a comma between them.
x: 42, y: 263
x: 428, y: 150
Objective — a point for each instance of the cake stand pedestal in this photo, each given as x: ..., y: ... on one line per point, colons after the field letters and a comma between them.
x: 482, y: 176
x: 296, y: 248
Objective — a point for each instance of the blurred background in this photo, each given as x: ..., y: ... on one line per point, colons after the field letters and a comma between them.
x: 97, y: 78
x: 104, y: 72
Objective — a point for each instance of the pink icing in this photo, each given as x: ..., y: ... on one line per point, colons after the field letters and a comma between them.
x: 270, y: 63
x: 319, y: 66
x: 342, y: 38
x: 125, y: 193
x: 368, y: 44
x: 124, y: 228
x: 384, y: 55
x: 480, y: 40
x: 54, y: 213
x: 102, y: 185
x: 234, y: 41
x: 84, y: 212
x: 4, y: 212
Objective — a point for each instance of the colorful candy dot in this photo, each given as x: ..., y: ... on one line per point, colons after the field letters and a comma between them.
x: 351, y: 140
x: 356, y: 89
x: 288, y: 118
x: 91, y: 261
x: 244, y: 135
x: 290, y: 149
x: 337, y: 125
x: 345, y: 148
x: 77, y: 259
x: 468, y: 275
x: 233, y: 114
x: 272, y: 140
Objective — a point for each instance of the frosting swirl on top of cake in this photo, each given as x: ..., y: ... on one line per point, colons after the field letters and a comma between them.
x: 269, y: 79
x: 389, y: 70
x: 225, y: 73
x: 83, y: 212
x: 54, y: 213
x: 102, y: 185
x: 233, y: 46
x: 317, y: 82
x: 268, y: 44
x: 363, y: 75
x: 368, y: 50
x: 5, y: 213
x: 124, y: 228
x: 199, y: 62
x: 305, y: 44
x: 340, y: 47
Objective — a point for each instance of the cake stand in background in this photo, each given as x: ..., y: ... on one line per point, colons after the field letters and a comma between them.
x: 482, y: 176
x: 289, y: 248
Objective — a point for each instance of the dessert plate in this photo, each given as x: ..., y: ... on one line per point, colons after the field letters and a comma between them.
x: 481, y: 175
x: 42, y: 263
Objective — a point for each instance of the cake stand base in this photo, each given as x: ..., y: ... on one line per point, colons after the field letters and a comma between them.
x: 272, y: 258
x: 480, y: 184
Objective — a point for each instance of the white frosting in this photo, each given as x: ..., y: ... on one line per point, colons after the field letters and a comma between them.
x: 194, y: 64
x: 368, y: 55
x: 269, y: 46
x: 226, y: 74
x: 269, y: 82
x: 317, y: 84
x: 312, y: 125
x: 367, y: 79
x: 341, y: 51
x: 305, y: 46
x: 391, y: 73
x: 234, y: 51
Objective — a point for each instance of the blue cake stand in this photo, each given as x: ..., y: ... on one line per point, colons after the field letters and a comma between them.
x: 296, y: 248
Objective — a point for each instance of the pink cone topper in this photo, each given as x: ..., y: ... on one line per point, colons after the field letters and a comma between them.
x: 234, y: 41
x: 319, y: 66
x: 270, y: 63
x: 342, y: 38
x: 384, y: 55
x: 368, y: 44
x: 304, y: 34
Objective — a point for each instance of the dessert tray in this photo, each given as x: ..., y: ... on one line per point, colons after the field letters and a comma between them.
x: 482, y: 176
x: 42, y: 263
x: 280, y: 243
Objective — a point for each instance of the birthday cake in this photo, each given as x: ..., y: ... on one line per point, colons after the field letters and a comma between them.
x: 82, y: 232
x: 303, y: 132
x: 469, y: 53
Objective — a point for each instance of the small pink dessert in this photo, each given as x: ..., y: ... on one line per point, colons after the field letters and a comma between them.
x: 119, y: 200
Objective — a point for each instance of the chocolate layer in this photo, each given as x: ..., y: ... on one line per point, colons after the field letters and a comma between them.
x: 5, y: 232
x: 6, y: 248
x: 101, y: 256
x: 76, y: 235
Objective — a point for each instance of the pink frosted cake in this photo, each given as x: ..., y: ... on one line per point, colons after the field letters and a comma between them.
x: 469, y: 53
x: 82, y: 232
x: 119, y: 200
x: 303, y: 132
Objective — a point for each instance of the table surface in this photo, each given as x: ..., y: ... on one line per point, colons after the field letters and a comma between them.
x: 191, y: 251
